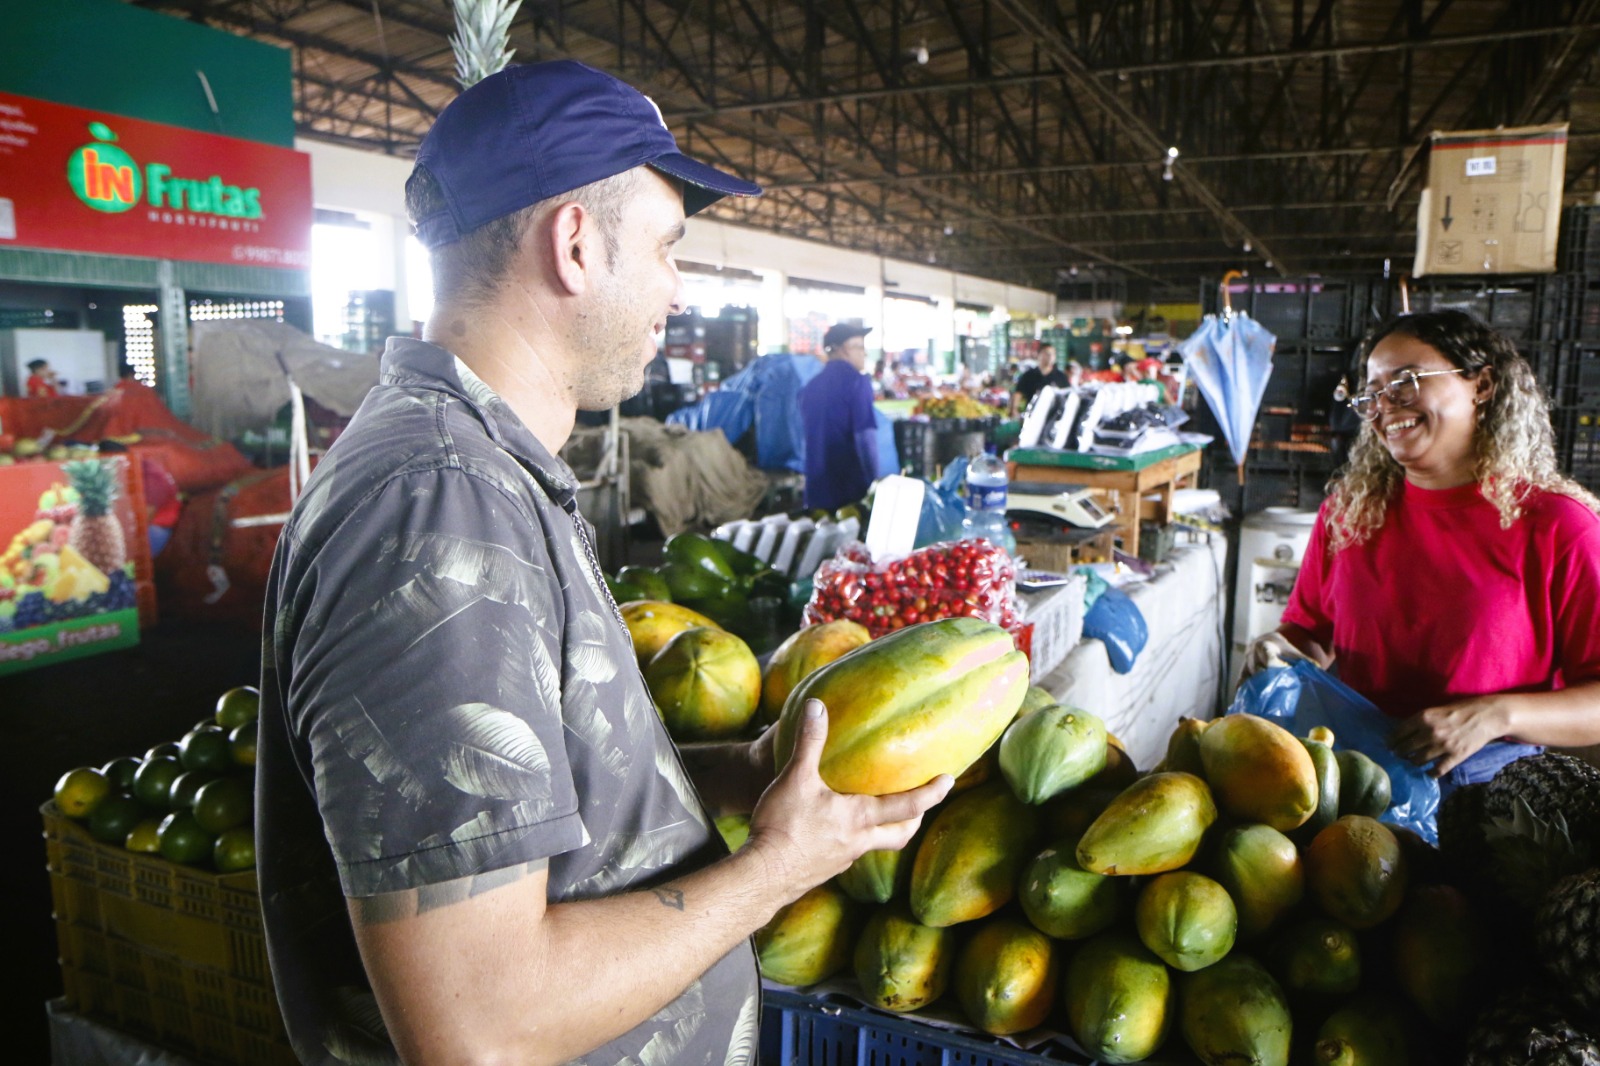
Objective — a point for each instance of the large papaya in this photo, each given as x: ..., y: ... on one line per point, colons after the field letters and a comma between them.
x: 1262, y: 871
x: 706, y: 683
x: 1440, y: 948
x: 1183, y: 748
x: 1356, y: 871
x: 1187, y: 919
x: 1064, y: 900
x: 1036, y: 699
x: 921, y: 701
x: 1259, y: 771
x: 878, y: 876
x: 1120, y: 998
x: 651, y: 623
x: 900, y: 963
x: 1327, y: 767
x: 1235, y: 1014
x: 967, y: 864
x: 1316, y: 959
x: 1051, y: 750
x: 1367, y: 1031
x: 1006, y: 977
x: 699, y: 552
x: 796, y: 658
x: 651, y: 583
x: 1155, y: 825
x: 1364, y: 786
x: 811, y: 939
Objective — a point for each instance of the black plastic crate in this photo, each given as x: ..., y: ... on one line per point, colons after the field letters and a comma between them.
x: 1298, y: 309
x: 1578, y: 444
x: 1523, y: 308
x: 1579, y: 252
x: 913, y: 440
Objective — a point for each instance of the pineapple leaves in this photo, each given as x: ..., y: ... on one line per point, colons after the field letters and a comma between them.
x: 482, y: 38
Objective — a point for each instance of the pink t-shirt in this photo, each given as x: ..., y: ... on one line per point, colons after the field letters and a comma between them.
x: 1441, y: 603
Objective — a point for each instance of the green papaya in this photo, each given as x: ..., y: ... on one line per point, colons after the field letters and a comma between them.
x: 1368, y: 1031
x: 1327, y: 809
x: 1155, y: 825
x: 687, y: 582
x: 1183, y: 749
x: 1187, y: 919
x: 1364, y: 786
x: 1356, y: 872
x: 1064, y: 900
x: 651, y: 583
x: 741, y: 562
x: 967, y: 864
x: 1045, y: 753
x: 1006, y: 977
x: 1262, y: 871
x: 766, y: 583
x: 877, y: 876
x: 1235, y: 1014
x: 809, y: 940
x: 1316, y: 959
x: 700, y: 552
x: 625, y: 591
x: 1036, y: 699
x: 1120, y: 998
x: 900, y: 963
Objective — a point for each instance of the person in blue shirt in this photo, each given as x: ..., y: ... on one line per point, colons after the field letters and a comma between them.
x: 841, y: 429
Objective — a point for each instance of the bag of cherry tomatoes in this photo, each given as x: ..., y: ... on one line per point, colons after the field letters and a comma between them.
x: 952, y: 579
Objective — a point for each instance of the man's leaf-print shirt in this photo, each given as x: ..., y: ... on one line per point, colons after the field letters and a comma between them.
x: 447, y: 690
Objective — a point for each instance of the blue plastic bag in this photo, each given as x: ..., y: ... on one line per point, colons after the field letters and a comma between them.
x: 1303, y: 696
x: 943, y: 509
x: 1117, y: 621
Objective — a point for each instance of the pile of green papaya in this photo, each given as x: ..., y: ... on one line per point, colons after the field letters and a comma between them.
x: 733, y: 588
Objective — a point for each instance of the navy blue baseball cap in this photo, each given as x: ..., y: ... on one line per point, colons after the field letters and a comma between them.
x: 536, y: 131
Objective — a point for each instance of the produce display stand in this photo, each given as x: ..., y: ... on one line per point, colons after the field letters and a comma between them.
x: 167, y: 952
x: 1155, y: 472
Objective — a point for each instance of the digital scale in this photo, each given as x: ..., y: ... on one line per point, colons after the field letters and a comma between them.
x: 1074, y: 505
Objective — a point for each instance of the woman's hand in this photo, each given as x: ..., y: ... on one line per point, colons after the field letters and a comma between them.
x: 1452, y: 733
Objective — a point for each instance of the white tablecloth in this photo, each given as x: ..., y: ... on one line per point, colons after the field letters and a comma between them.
x: 1178, y: 672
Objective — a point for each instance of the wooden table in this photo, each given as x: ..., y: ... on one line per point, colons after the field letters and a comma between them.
x: 1158, y: 472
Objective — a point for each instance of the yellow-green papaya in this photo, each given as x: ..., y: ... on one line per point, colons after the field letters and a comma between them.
x: 1045, y: 753
x: 900, y: 963
x: 1120, y: 998
x: 967, y: 864
x: 1064, y: 900
x: 1259, y: 771
x: 1187, y: 919
x: 811, y: 939
x: 1155, y: 825
x: 1356, y: 871
x: 1235, y: 1014
x: 1316, y: 958
x: 1262, y: 871
x: 1006, y: 977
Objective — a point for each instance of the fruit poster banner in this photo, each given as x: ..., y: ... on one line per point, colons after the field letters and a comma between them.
x: 90, y: 181
x: 68, y: 568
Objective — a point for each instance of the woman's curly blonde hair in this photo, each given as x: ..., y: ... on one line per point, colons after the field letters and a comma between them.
x: 1515, y: 445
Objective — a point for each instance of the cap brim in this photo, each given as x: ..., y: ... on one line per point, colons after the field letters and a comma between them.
x: 703, y: 185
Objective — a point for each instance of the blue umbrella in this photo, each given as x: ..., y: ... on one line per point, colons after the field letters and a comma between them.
x: 1230, y: 359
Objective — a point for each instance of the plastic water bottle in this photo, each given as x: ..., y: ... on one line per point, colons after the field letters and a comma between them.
x: 986, y: 503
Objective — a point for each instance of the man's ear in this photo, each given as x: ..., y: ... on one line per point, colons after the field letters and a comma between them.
x: 570, y: 231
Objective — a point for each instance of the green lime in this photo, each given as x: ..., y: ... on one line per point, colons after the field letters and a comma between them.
x: 237, y: 706
x: 235, y: 849
x: 183, y: 839
x: 120, y: 773
x: 167, y: 747
x: 145, y: 837
x: 205, y: 750
x: 242, y: 742
x: 80, y: 791
x: 152, y: 782
x: 224, y: 803
x: 205, y: 725
x: 114, y: 816
x: 180, y: 797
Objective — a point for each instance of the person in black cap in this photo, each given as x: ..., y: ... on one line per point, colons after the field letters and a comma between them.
x: 841, y: 428
x: 476, y: 841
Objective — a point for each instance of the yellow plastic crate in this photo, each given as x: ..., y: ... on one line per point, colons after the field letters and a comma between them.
x: 167, y: 951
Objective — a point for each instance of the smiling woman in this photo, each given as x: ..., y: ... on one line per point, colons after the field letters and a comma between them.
x: 1454, y: 572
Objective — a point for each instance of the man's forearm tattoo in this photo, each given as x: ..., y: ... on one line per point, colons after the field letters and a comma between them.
x: 669, y: 897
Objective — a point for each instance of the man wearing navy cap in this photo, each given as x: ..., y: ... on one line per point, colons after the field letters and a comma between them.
x: 841, y: 426
x: 476, y: 841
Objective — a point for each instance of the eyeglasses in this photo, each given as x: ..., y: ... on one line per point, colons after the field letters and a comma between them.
x: 1401, y: 392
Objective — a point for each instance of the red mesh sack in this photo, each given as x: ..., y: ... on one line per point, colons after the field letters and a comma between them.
x: 953, y: 579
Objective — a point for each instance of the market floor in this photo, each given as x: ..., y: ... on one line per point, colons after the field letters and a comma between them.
x: 86, y: 713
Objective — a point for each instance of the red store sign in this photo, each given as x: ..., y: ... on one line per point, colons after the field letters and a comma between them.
x: 87, y: 181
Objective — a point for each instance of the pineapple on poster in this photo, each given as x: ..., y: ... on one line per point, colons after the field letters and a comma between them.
x: 67, y: 581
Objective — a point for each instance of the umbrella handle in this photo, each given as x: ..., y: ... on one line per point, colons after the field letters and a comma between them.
x: 1227, y: 298
x: 1405, y: 294
x: 1241, y: 473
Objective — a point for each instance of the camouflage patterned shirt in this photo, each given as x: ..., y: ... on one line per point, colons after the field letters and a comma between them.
x: 447, y: 690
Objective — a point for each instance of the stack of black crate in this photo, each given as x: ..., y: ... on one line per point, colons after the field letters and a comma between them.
x: 1573, y: 376
x: 1294, y: 449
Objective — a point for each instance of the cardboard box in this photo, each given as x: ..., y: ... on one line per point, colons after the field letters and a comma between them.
x: 1492, y: 204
